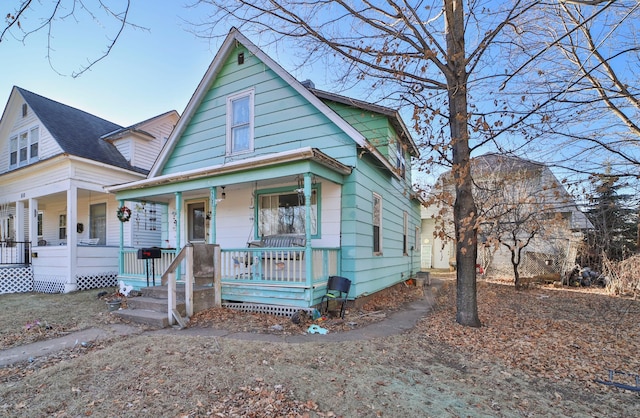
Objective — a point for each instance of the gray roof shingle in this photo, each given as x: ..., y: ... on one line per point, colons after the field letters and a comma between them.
x: 77, y: 132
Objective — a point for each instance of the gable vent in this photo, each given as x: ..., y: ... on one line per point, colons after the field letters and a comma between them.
x: 24, y: 110
x: 241, y: 58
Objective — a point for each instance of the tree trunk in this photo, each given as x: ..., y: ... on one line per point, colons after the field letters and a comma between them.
x: 464, y: 209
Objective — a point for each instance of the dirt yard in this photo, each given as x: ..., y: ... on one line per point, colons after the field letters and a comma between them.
x: 538, y: 353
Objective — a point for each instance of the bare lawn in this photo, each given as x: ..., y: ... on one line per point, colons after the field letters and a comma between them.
x: 539, y: 353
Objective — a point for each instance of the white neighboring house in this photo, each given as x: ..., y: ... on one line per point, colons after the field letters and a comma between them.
x: 58, y: 227
x: 553, y: 252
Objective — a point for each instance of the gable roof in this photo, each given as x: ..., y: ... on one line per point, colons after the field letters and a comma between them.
x: 215, y: 67
x: 135, y: 128
x: 77, y: 132
x: 392, y: 114
x: 507, y: 166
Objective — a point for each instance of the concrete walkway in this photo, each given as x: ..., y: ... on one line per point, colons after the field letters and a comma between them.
x: 396, y: 323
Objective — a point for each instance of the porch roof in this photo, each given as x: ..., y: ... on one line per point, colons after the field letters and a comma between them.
x: 307, y: 154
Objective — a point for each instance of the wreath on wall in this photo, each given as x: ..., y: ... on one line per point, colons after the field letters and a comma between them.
x: 124, y: 214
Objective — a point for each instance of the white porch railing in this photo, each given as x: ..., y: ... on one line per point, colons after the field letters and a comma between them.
x: 267, y: 265
x: 135, y: 268
x: 278, y: 265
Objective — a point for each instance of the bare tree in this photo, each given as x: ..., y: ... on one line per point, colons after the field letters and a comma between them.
x: 520, y: 205
x: 586, y: 61
x: 28, y: 17
x: 523, y: 209
x: 412, y: 52
x: 429, y: 56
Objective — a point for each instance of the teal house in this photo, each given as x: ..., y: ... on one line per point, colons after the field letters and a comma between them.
x: 294, y: 184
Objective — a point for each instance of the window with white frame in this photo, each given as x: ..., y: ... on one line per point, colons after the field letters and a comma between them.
x: 377, y: 224
x: 13, y: 152
x: 62, y: 226
x: 34, y: 139
x: 284, y: 213
x: 240, y: 123
x: 24, y: 148
x: 405, y: 234
x: 98, y: 222
x: 40, y: 215
x: 400, y: 162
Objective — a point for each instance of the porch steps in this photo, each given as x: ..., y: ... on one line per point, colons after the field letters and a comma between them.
x: 151, y: 308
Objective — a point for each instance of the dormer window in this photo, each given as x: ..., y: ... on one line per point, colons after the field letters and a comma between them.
x: 240, y: 123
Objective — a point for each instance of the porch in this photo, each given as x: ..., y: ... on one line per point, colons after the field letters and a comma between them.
x: 270, y: 275
x: 15, y: 252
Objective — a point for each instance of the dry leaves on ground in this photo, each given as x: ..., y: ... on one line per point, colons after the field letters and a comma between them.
x: 375, y: 309
x: 548, y: 333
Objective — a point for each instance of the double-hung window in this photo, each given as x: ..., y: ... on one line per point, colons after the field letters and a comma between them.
x: 240, y: 123
x: 405, y: 234
x: 400, y: 162
x: 23, y: 148
x: 13, y: 152
x: 377, y: 224
x: 34, y: 138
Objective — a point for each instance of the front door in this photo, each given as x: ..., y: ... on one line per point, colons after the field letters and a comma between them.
x: 196, y: 222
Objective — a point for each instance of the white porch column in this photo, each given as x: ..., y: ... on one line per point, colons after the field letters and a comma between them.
x: 308, y: 254
x: 33, y: 221
x: 18, y: 221
x: 72, y: 237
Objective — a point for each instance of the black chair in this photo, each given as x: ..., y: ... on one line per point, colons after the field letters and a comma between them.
x: 337, y: 290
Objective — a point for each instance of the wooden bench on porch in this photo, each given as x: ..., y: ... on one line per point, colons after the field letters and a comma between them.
x: 275, y: 257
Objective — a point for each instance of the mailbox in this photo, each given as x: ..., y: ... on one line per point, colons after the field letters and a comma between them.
x: 149, y: 253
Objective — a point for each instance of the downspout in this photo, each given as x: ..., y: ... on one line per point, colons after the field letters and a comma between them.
x: 307, y: 234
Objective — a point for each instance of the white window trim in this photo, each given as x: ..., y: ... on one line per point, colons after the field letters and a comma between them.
x: 405, y: 233
x: 401, y: 164
x: 247, y: 93
x: 31, y: 158
x: 15, y: 139
x: 380, y: 210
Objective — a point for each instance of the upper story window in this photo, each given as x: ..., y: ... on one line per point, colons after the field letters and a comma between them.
x: 23, y: 149
x: 240, y: 123
x: 400, y: 162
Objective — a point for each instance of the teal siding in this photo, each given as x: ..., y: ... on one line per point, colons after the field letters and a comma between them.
x: 284, y: 120
x: 375, y: 272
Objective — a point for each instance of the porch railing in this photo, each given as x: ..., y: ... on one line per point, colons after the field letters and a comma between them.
x: 279, y: 265
x: 265, y: 265
x: 132, y: 267
x: 15, y: 252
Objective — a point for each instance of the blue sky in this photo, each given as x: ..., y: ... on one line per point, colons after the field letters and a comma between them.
x: 147, y: 73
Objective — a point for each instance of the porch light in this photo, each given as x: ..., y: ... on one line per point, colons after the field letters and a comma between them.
x: 223, y: 195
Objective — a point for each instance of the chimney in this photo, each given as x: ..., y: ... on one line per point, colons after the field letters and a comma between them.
x: 308, y: 84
